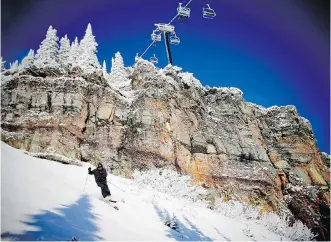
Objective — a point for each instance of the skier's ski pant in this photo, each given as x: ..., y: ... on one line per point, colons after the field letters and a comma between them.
x: 104, y: 189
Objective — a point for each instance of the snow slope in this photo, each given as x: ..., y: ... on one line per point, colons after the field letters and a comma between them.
x: 46, y: 200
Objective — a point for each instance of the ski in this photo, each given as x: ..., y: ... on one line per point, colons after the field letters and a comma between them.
x: 111, y: 203
x: 109, y: 200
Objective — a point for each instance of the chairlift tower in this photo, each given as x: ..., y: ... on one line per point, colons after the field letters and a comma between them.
x: 166, y: 29
x: 166, y: 41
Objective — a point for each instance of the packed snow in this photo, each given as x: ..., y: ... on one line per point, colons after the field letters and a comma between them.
x: 47, y: 200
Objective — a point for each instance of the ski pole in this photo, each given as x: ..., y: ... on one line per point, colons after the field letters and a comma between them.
x: 115, y: 186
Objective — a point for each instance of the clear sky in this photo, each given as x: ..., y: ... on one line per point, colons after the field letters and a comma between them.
x: 276, y: 52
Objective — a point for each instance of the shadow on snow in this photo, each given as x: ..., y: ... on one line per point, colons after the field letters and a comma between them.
x: 183, y: 232
x: 76, y: 220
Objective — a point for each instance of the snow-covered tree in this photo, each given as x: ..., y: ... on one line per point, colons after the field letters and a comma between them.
x: 64, y: 52
x: 104, y: 69
x: 3, y: 68
x: 88, y: 59
x: 48, y: 54
x: 14, y: 67
x: 117, y: 65
x: 74, y: 52
x: 170, y: 182
x: 28, y: 60
x: 119, y: 75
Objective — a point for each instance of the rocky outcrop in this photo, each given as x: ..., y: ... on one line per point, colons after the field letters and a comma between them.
x: 166, y: 118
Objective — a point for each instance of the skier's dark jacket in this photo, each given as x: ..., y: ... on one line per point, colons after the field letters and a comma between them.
x: 99, y: 175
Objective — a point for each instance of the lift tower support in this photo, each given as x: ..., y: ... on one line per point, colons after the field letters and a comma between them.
x: 167, y: 45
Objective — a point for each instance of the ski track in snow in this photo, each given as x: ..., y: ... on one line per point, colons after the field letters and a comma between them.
x: 46, y: 200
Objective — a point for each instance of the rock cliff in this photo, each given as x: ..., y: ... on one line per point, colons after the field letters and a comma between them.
x: 165, y: 118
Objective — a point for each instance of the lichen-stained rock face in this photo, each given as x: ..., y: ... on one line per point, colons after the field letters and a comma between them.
x: 291, y: 144
x: 166, y: 118
x: 292, y: 149
x: 68, y: 116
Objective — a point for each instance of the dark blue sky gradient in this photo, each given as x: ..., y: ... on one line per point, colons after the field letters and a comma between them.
x: 276, y: 52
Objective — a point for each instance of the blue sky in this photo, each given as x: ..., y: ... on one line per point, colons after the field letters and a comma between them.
x: 276, y: 52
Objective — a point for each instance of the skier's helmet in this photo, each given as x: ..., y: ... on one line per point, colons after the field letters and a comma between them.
x: 100, y: 166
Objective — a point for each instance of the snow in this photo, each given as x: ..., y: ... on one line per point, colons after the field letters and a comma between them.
x: 168, y: 181
x: 47, y: 200
x: 286, y: 108
x: 231, y: 90
x: 190, y: 80
x: 326, y: 155
x: 5, y: 80
x: 306, y: 122
x: 55, y: 157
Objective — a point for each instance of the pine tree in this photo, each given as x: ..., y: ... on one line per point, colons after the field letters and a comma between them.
x: 88, y: 60
x: 74, y: 52
x: 48, y: 54
x: 3, y: 68
x: 64, y: 52
x: 119, y: 76
x: 117, y: 66
x: 14, y: 67
x: 104, y: 69
x: 28, y: 60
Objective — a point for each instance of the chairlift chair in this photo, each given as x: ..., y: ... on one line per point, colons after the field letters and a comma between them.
x: 156, y: 36
x: 174, y: 40
x: 165, y: 28
x: 182, y: 11
x: 208, y: 12
x: 153, y: 59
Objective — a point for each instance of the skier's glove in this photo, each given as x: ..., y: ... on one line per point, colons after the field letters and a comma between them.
x: 89, y: 169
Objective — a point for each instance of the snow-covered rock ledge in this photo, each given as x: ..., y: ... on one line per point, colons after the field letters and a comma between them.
x: 55, y: 157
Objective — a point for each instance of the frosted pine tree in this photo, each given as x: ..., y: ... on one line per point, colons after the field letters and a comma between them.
x: 117, y: 65
x: 104, y: 69
x: 14, y: 67
x: 64, y: 52
x: 28, y: 61
x: 74, y: 52
x: 119, y: 76
x: 88, y: 60
x: 3, y: 68
x: 48, y: 54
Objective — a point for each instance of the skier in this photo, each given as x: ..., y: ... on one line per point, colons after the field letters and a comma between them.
x: 100, y: 175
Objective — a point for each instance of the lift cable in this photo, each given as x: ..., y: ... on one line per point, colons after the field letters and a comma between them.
x: 168, y: 24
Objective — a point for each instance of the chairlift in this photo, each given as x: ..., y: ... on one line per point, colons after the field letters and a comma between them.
x: 174, y: 40
x: 165, y: 27
x: 153, y: 59
x: 156, y: 36
x: 183, y: 12
x: 208, y: 12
